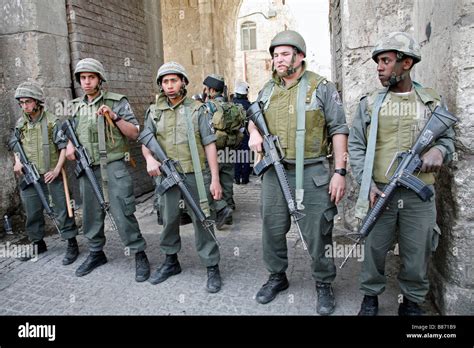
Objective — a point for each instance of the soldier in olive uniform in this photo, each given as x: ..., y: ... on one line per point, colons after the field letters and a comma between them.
x: 45, y: 148
x: 107, y: 146
x: 402, y: 108
x: 322, y: 116
x: 172, y: 118
x: 213, y: 90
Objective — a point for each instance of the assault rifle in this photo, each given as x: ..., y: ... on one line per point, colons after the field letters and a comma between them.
x: 273, y: 157
x: 31, y: 175
x: 173, y: 177
x: 84, y: 166
x: 409, y: 163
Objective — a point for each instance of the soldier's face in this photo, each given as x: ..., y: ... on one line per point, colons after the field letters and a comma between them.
x: 386, y: 66
x: 171, y: 85
x: 27, y: 105
x: 89, y: 82
x: 282, y: 59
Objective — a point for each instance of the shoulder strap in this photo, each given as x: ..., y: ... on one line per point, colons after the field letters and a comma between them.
x: 266, y: 93
x: 45, y: 141
x: 203, y: 202
x: 362, y: 205
x: 300, y: 136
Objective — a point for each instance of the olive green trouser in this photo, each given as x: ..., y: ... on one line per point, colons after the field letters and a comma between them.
x: 316, y: 226
x: 34, y: 210
x: 170, y: 240
x: 417, y: 238
x: 122, y: 208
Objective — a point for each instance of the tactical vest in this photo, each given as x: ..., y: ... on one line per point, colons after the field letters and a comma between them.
x: 171, y: 131
x: 280, y: 115
x: 32, y: 141
x: 401, y: 118
x: 87, y: 132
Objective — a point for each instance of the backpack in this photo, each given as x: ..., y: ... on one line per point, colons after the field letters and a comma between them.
x: 228, y: 123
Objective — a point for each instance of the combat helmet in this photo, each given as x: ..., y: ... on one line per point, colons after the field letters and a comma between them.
x: 90, y: 65
x: 242, y: 88
x: 400, y: 42
x: 30, y: 89
x: 171, y: 68
x: 288, y: 38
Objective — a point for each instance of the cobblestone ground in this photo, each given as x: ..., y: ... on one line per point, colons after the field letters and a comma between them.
x: 46, y: 287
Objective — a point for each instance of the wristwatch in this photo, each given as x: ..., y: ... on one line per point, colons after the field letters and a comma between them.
x: 341, y: 171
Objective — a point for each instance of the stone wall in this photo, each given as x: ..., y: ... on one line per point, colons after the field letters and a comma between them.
x: 200, y: 35
x: 34, y: 45
x: 444, y: 30
x: 115, y: 33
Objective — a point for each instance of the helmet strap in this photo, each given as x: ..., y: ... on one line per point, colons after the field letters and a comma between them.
x: 395, y: 79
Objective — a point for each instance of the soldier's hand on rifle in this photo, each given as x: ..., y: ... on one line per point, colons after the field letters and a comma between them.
x: 432, y: 160
x: 337, y: 188
x: 216, y: 189
x: 153, y: 167
x: 18, y: 167
x: 70, y: 151
x: 51, y: 175
x: 374, y: 194
x: 255, y: 141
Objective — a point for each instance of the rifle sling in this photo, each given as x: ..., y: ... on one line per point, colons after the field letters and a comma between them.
x: 45, y: 141
x: 203, y: 202
x: 363, y: 202
x: 300, y: 138
x: 103, y: 157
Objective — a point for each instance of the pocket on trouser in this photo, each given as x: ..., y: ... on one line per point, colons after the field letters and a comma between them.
x: 128, y: 205
x: 321, y: 175
x: 327, y: 220
x: 435, y: 238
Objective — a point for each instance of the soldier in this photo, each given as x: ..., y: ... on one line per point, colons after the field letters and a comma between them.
x: 242, y: 165
x: 108, y: 148
x: 401, y: 109
x: 217, y: 106
x: 168, y: 118
x: 322, y: 116
x: 45, y: 148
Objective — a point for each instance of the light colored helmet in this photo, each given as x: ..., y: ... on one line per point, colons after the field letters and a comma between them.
x: 171, y: 68
x: 90, y: 65
x: 30, y: 89
x: 242, y: 88
x: 400, y: 42
x: 288, y: 38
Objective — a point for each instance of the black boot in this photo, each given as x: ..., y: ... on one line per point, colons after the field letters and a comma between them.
x: 36, y: 249
x: 214, y: 282
x: 169, y: 268
x: 72, y: 251
x: 369, y: 306
x: 142, y: 267
x: 94, y: 260
x: 221, y: 217
x: 326, y: 300
x: 276, y: 282
x: 410, y: 308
